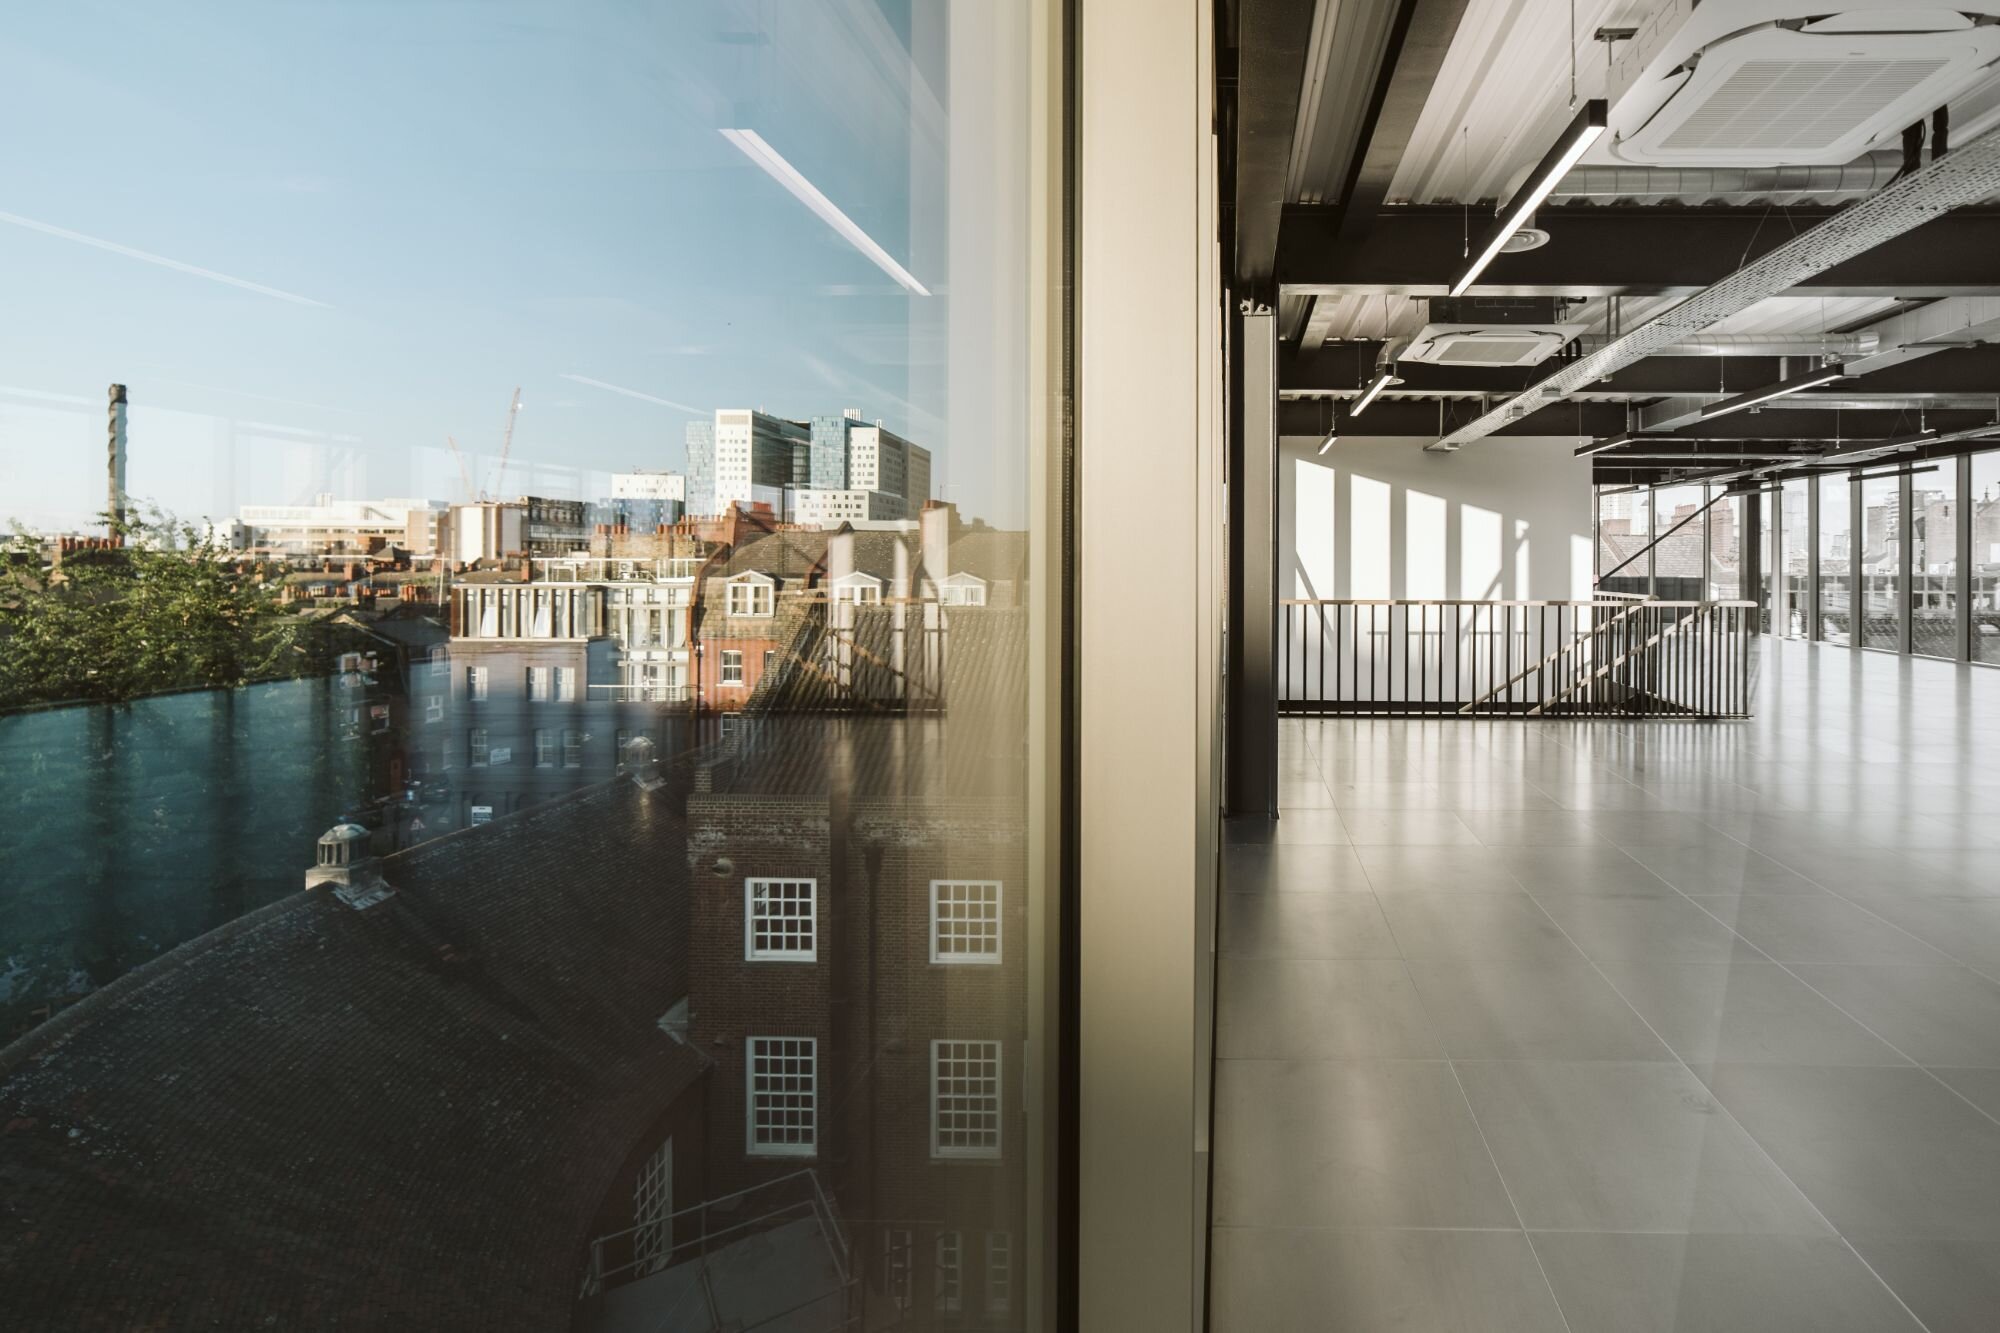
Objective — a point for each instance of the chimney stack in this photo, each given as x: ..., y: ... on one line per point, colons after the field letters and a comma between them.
x: 115, y: 459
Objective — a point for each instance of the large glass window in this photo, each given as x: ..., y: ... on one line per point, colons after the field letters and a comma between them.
x: 1935, y: 560
x: 506, y: 344
x: 1984, y: 557
x: 1881, y: 562
x: 1795, y: 559
x: 1681, y: 551
x: 1623, y: 526
x: 1725, y: 547
x: 1836, y: 570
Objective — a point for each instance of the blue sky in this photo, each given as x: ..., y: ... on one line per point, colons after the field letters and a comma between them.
x: 445, y: 201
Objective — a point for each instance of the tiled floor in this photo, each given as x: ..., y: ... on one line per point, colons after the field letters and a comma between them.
x: 1610, y: 1028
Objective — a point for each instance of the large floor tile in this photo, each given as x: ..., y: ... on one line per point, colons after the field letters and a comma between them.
x: 1749, y: 1012
x: 1937, y: 1014
x: 1265, y: 1281
x: 1440, y: 869
x: 1599, y: 869
x: 1316, y: 827
x: 1716, y: 1284
x: 1292, y: 868
x: 1627, y: 1147
x: 1530, y: 1010
x: 1981, y: 1087
x: 1531, y: 828
x: 1794, y: 928
x: 1473, y: 925
x: 1953, y: 1286
x: 1881, y: 1151
x: 1649, y: 828
x: 1420, y: 828
x: 1628, y: 927
x: 1313, y: 1009
x: 1720, y: 866
x: 1350, y: 1144
x: 1305, y: 925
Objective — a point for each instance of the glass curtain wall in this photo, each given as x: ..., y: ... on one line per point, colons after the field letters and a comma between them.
x: 1725, y: 547
x: 1935, y: 561
x: 1679, y: 559
x: 1836, y: 574
x: 1794, y: 565
x: 515, y: 657
x: 1882, y: 535
x: 1983, y: 558
x: 1623, y: 529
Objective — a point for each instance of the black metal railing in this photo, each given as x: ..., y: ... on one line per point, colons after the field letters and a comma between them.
x: 1612, y: 656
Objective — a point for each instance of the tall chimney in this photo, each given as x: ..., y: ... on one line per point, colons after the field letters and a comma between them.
x: 115, y: 458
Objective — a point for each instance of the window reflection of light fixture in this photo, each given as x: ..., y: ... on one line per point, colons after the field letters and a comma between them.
x: 1575, y: 142
x: 778, y: 169
x: 1771, y: 392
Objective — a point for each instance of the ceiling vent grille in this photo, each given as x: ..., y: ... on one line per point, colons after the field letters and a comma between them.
x: 1767, y: 83
x: 1798, y: 105
x: 1463, y: 345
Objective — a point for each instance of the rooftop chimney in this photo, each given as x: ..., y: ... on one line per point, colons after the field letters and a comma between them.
x: 115, y: 459
x: 851, y: 413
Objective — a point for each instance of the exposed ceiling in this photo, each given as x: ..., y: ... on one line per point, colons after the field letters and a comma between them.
x: 1412, y: 122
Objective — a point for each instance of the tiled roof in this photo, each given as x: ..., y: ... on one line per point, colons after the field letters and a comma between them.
x: 404, y: 1117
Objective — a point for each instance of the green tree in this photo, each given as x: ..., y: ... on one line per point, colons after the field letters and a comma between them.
x: 167, y: 610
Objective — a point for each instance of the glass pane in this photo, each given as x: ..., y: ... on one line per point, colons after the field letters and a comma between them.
x: 1622, y: 519
x: 1795, y: 560
x: 499, y: 389
x: 1934, y: 561
x: 1881, y: 562
x: 1770, y: 575
x: 1836, y: 573
x: 1985, y: 557
x: 1725, y: 549
x: 1678, y: 558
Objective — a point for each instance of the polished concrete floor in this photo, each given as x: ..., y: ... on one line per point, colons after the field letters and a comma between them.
x: 1607, y: 1027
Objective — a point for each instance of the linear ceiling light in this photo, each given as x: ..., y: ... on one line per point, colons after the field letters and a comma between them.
x: 1755, y: 397
x: 1332, y: 438
x: 1575, y: 142
x: 1599, y: 446
x: 1383, y: 379
x: 753, y: 147
x: 1862, y: 448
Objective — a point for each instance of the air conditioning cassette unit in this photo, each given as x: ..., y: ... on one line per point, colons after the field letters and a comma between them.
x: 1766, y: 83
x: 1492, y: 331
x: 1489, y: 344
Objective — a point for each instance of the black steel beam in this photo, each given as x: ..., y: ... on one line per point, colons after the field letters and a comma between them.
x: 1631, y: 250
x: 1418, y: 41
x: 1421, y: 419
x: 1337, y: 366
x: 1272, y: 36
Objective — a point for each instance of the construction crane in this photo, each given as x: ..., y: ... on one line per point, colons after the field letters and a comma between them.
x: 507, y: 440
x: 464, y: 472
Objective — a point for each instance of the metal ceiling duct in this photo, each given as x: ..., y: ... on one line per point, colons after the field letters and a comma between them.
x: 1966, y: 175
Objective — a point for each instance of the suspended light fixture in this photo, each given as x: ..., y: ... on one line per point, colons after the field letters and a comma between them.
x: 1599, y: 446
x: 1584, y: 131
x: 1771, y: 392
x: 1383, y: 379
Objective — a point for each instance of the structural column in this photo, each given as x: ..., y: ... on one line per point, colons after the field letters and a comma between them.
x: 1253, y: 569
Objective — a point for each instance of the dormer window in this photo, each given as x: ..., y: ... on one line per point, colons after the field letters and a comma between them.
x: 750, y: 595
x: 858, y: 588
x: 963, y: 590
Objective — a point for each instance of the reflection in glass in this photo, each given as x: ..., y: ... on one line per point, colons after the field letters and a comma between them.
x: 1725, y: 547
x: 1881, y: 562
x: 554, y: 807
x: 1681, y: 553
x: 1623, y: 529
x: 1795, y: 558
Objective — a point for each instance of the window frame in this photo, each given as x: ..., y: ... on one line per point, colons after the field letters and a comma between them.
x: 996, y: 1097
x: 476, y: 684
x: 753, y: 1051
x: 948, y: 1271
x: 981, y: 958
x: 545, y: 748
x: 753, y: 954
x: 572, y: 747
x: 478, y: 746
x: 999, y: 1272
x: 724, y: 666
x: 759, y: 592
x: 541, y: 685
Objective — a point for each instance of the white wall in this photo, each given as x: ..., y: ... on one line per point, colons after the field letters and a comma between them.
x: 1506, y: 518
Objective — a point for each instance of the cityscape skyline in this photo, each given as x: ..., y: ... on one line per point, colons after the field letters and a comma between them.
x: 339, y: 293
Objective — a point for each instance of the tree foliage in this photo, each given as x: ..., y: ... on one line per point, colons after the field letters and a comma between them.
x: 168, y: 610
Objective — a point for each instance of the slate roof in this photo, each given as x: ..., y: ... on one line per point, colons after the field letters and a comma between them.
x: 399, y: 1118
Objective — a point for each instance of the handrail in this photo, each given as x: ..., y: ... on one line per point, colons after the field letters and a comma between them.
x: 1590, y: 636
x: 1623, y: 600
x: 1671, y: 628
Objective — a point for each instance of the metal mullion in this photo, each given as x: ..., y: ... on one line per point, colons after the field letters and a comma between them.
x: 1962, y: 564
x: 1906, y: 573
x: 1857, y: 635
x: 1813, y: 629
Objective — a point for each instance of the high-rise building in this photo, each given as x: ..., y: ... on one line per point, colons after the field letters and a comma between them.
x: 744, y: 456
